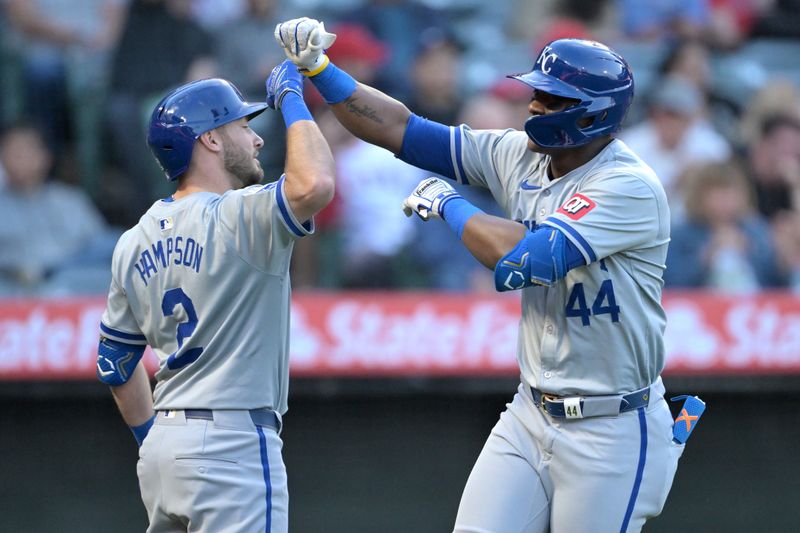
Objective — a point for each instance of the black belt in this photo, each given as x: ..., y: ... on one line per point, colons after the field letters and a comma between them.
x: 260, y: 417
x: 557, y: 406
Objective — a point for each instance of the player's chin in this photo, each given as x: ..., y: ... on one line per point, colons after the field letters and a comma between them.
x: 533, y: 147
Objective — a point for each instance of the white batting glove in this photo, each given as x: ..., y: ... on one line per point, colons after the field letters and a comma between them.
x: 428, y: 199
x: 304, y: 42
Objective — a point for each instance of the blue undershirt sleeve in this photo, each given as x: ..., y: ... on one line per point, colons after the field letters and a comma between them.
x: 426, y: 144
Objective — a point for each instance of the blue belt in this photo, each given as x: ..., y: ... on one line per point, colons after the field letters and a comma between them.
x: 555, y: 406
x: 260, y: 417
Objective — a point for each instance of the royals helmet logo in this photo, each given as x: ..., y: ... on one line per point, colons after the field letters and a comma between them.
x: 577, y: 206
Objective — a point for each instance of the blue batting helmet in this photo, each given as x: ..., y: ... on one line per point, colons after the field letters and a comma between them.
x: 188, y: 112
x: 598, y: 78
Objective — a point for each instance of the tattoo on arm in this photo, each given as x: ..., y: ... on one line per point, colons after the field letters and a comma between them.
x: 363, y: 110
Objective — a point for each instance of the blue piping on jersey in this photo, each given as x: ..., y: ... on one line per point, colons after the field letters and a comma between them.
x: 285, y: 211
x: 262, y: 444
x: 459, y: 163
x: 639, y: 470
x: 122, y: 334
x: 574, y: 233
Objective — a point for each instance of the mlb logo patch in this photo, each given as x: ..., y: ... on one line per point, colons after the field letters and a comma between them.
x: 165, y: 224
x: 577, y: 206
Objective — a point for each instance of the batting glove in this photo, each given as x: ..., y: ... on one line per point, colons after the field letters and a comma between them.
x: 304, y: 42
x: 282, y: 80
x: 428, y: 199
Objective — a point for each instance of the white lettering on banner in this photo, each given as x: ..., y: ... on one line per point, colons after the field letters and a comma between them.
x: 762, y: 335
x: 490, y: 330
x: 88, y: 336
x: 305, y: 342
x: 59, y: 346
x: 368, y: 336
x: 41, y: 344
x: 688, y: 339
x: 11, y: 351
x: 346, y: 334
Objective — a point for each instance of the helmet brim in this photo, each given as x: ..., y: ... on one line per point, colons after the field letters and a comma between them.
x: 542, y: 82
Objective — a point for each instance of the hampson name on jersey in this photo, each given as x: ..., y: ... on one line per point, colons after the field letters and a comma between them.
x: 170, y: 251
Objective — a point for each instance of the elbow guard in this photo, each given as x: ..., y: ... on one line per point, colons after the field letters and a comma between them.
x: 542, y: 257
x: 116, y: 361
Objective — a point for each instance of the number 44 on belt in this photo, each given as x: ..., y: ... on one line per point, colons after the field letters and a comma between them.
x: 687, y: 418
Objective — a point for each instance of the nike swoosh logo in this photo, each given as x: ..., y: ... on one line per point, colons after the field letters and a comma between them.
x: 524, y: 186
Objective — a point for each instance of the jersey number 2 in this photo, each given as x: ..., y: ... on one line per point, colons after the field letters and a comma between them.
x: 172, y: 299
x: 604, y: 303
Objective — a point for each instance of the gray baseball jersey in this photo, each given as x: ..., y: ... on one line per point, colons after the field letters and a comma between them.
x: 204, y: 281
x: 599, y: 330
x: 589, y: 339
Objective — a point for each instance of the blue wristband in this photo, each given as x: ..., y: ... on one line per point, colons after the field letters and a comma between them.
x: 456, y: 211
x: 294, y: 108
x: 141, y: 431
x: 334, y: 84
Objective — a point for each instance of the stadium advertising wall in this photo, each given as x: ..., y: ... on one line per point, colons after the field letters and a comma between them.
x: 406, y: 334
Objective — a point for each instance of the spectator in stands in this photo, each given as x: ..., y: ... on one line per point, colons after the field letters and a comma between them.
x: 247, y: 66
x: 515, y: 94
x: 691, y: 60
x: 51, y: 233
x: 777, y: 97
x: 399, y: 24
x: 213, y: 14
x: 774, y: 165
x: 778, y: 19
x: 239, y: 61
x: 663, y: 20
x: 161, y: 47
x: 575, y: 19
x: 64, y: 48
x: 448, y: 264
x: 370, y: 186
x: 723, y: 244
x: 436, y: 76
x: 786, y: 233
x: 675, y: 136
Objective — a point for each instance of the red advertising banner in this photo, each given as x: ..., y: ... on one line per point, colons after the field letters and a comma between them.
x: 435, y: 334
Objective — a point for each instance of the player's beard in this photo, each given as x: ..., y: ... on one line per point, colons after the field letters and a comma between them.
x: 240, y: 163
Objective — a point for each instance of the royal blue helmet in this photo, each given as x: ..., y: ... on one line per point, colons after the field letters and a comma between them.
x: 589, y: 72
x: 188, y: 112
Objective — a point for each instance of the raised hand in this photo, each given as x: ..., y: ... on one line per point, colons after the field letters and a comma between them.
x: 285, y: 78
x: 304, y: 42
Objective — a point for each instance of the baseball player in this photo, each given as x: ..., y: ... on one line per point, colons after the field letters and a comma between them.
x: 203, y: 279
x: 587, y: 443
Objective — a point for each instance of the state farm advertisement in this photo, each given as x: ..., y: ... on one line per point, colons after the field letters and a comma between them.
x: 408, y: 334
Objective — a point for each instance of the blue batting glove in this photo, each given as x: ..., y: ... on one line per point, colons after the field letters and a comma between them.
x: 285, y: 78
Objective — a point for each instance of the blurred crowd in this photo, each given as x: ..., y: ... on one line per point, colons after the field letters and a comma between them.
x: 716, y: 115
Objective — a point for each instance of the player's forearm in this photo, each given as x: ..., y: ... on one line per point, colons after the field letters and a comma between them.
x: 134, y: 398
x: 489, y: 238
x: 374, y: 117
x: 310, y: 169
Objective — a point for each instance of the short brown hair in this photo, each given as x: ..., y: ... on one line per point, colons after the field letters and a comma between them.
x: 702, y: 178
